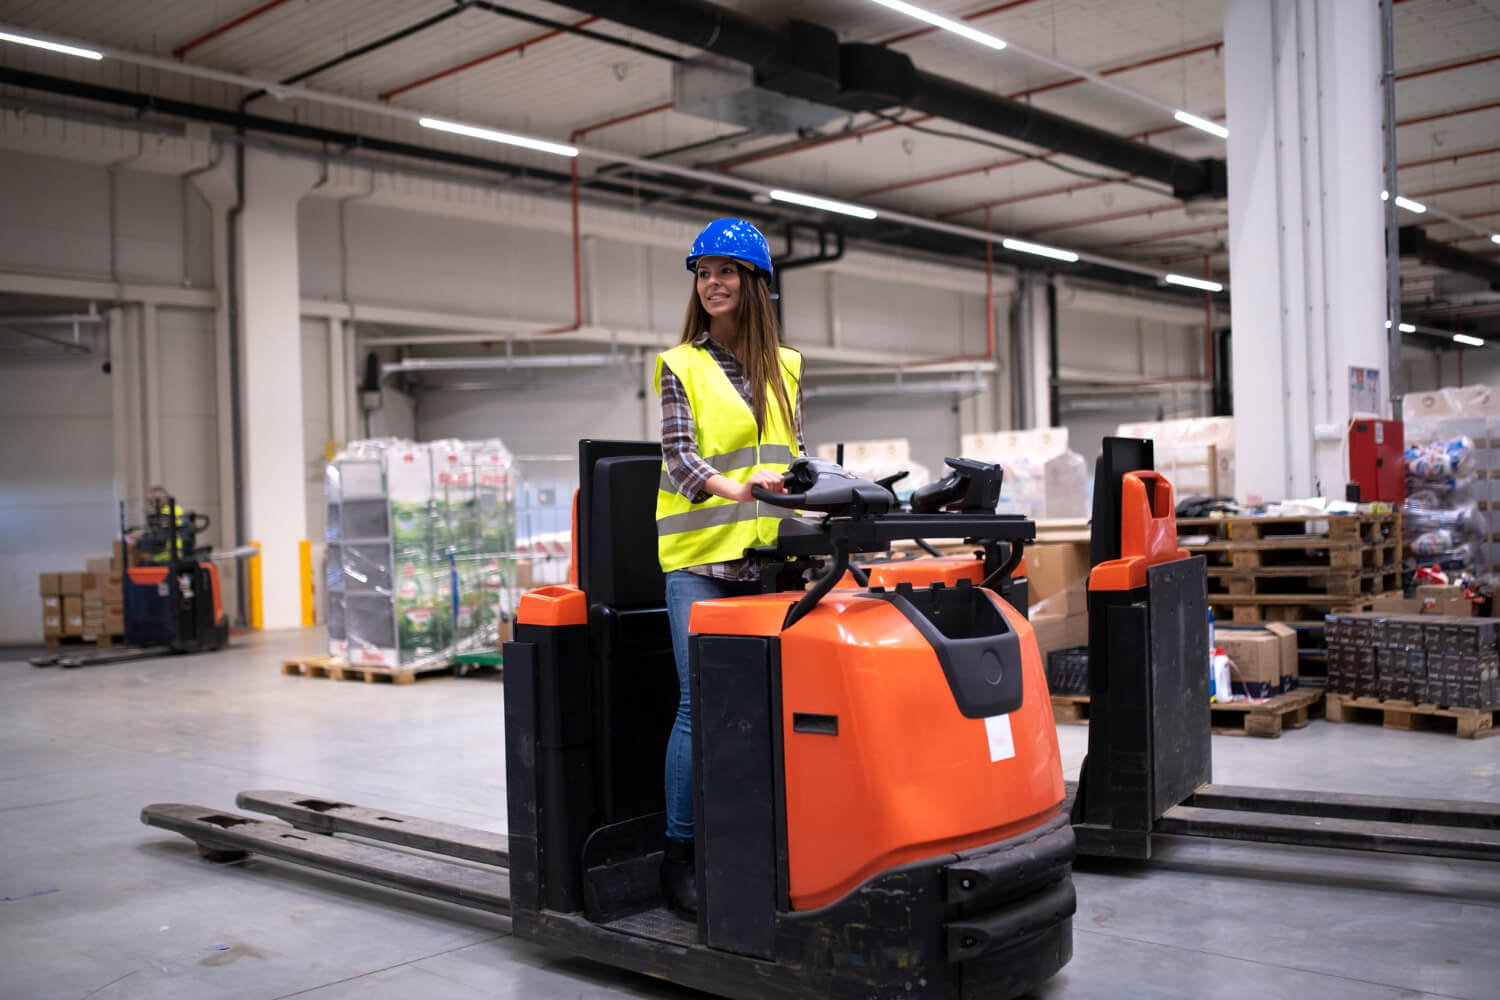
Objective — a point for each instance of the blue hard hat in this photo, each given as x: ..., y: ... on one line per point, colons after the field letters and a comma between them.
x: 735, y: 238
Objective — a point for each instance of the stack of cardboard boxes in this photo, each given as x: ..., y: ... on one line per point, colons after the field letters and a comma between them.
x: 1446, y: 660
x: 1263, y: 660
x: 89, y: 605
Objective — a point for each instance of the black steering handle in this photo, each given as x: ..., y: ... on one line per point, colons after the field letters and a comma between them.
x: 791, y: 501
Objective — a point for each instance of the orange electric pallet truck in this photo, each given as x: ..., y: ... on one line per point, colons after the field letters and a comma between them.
x: 879, y: 796
x: 173, y: 607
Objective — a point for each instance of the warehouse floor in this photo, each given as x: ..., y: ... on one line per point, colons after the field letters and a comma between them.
x: 95, y: 905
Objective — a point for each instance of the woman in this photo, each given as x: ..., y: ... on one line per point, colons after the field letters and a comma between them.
x: 731, y: 418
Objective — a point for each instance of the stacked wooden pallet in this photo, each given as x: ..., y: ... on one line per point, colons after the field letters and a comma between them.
x: 1297, y: 568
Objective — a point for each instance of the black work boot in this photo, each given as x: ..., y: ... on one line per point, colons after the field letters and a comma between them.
x: 679, y: 881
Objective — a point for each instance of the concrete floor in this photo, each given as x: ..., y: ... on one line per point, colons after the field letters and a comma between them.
x: 95, y: 905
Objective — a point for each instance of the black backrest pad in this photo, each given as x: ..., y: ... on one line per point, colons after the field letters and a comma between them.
x: 617, y: 563
x: 1119, y: 456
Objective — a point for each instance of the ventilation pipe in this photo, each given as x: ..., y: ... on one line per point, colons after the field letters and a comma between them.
x: 806, y: 60
x: 1415, y: 242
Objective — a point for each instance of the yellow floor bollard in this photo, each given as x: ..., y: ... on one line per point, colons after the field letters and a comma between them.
x: 304, y: 555
x: 257, y: 613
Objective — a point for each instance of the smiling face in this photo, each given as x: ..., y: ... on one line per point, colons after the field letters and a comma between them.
x: 719, y: 285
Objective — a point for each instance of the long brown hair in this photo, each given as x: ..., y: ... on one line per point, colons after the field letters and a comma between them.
x: 759, y: 338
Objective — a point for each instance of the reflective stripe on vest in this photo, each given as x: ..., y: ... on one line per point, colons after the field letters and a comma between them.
x: 740, y: 457
x: 720, y: 530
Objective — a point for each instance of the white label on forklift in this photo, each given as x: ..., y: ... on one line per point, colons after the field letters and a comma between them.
x: 1002, y: 744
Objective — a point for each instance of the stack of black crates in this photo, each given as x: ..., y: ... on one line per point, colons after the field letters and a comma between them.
x: 1424, y: 659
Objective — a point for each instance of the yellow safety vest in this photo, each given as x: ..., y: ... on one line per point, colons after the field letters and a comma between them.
x: 719, y: 530
x: 164, y: 556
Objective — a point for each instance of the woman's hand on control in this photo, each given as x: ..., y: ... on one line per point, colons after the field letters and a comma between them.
x: 766, y: 480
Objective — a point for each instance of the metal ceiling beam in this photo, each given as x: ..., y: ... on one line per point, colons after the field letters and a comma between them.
x: 520, y: 46
x: 807, y: 61
x: 1415, y: 242
x: 1446, y: 67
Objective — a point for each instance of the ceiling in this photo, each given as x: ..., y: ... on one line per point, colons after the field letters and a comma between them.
x: 505, y: 71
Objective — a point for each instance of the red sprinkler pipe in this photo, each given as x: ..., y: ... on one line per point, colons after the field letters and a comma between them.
x: 187, y: 47
x: 577, y: 134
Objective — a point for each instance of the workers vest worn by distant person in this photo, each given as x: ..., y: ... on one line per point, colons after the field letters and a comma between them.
x: 731, y: 419
x: 160, y: 515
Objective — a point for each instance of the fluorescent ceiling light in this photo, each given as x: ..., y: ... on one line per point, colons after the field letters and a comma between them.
x: 1405, y: 327
x: 1212, y: 128
x: 1406, y: 203
x: 1021, y: 246
x: 1495, y: 238
x: 939, y: 21
x: 38, y: 43
x: 826, y: 204
x: 1185, y: 281
x: 1464, y: 338
x: 492, y: 135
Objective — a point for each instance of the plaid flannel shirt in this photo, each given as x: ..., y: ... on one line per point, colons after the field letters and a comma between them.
x: 679, y: 447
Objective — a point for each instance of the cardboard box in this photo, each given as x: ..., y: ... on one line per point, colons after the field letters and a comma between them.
x: 100, y: 564
x: 1444, y: 600
x: 117, y: 557
x: 52, y: 623
x: 1053, y: 567
x: 51, y: 583
x: 1395, y: 603
x: 1265, y: 658
x: 1062, y: 620
x: 71, y: 583
x: 106, y: 587
x: 52, y: 602
x: 72, y: 614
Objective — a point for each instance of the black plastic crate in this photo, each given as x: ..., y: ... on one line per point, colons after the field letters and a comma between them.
x: 1068, y: 670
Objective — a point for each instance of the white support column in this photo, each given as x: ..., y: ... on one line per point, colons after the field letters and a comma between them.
x: 217, y: 187
x: 151, y: 372
x: 119, y: 383
x: 275, y: 478
x: 1036, y: 350
x: 338, y: 377
x: 1304, y: 234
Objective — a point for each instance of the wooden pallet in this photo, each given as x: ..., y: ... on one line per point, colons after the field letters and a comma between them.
x: 1268, y: 718
x: 1285, y: 580
x: 1357, y: 528
x: 101, y: 641
x: 1070, y: 708
x: 340, y: 670
x: 1466, y: 723
x: 1351, y: 543
x: 1256, y: 609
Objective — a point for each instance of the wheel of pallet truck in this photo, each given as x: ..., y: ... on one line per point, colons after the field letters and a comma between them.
x: 220, y: 856
x: 68, y: 664
x: 460, y: 670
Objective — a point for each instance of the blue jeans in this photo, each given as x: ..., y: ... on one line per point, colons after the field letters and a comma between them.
x: 683, y: 589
